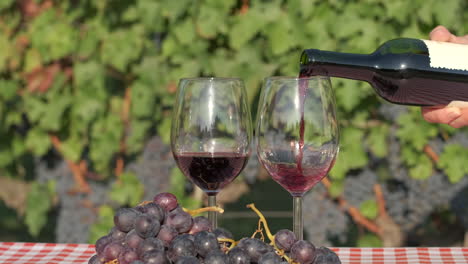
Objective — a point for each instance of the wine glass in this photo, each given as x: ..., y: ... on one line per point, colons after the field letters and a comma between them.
x: 297, y: 135
x: 211, y: 133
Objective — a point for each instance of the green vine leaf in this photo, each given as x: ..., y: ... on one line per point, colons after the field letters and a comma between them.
x: 369, y: 209
x: 122, y: 47
x: 453, y: 162
x: 351, y: 155
x: 414, y: 131
x: 369, y: 240
x: 129, y: 190
x: 8, y: 89
x: 103, y: 225
x: 52, y: 36
x: 422, y: 169
x: 38, y: 203
x: 377, y: 140
x: 177, y: 188
x: 6, y: 4
x: 38, y: 141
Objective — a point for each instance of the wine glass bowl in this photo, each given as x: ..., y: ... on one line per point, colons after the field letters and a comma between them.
x: 297, y: 134
x: 211, y: 132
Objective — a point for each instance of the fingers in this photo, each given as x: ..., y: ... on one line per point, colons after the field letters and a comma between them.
x: 441, y: 115
x: 460, y: 40
x: 462, y: 120
x: 453, y: 116
x: 441, y: 33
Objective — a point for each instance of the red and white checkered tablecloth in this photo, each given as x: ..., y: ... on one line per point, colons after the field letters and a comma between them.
x: 43, y: 253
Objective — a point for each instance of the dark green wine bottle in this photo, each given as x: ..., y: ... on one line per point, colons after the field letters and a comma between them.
x: 402, y: 71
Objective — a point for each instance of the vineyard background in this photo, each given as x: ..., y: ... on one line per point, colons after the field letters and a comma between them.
x: 86, y: 93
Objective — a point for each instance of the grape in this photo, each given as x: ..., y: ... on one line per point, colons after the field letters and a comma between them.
x: 179, y: 220
x: 215, y: 257
x: 284, y: 239
x: 112, y: 251
x: 116, y: 234
x: 133, y: 240
x: 167, y: 234
x: 147, y: 226
x: 155, y: 256
x: 200, y: 223
x: 185, y: 236
x: 127, y: 255
x: 95, y: 260
x: 180, y: 247
x: 303, y: 252
x: 270, y: 258
x: 168, y: 201
x: 188, y: 260
x: 205, y: 242
x: 324, y: 255
x: 154, y: 211
x: 223, y: 233
x: 140, y: 208
x: 124, y: 219
x: 149, y: 244
x: 101, y: 243
x: 254, y: 247
x: 137, y: 262
x: 238, y: 256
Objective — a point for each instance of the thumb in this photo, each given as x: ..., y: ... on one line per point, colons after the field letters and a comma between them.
x: 440, y: 33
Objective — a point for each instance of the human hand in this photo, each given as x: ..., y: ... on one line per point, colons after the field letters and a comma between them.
x: 455, y: 115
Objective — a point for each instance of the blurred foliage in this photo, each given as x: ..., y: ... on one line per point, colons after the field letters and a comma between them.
x: 92, y: 80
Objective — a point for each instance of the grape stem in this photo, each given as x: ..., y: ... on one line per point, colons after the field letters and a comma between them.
x: 259, y: 231
x: 204, y: 209
x: 228, y: 240
x: 281, y: 253
x: 195, y: 211
x: 263, y: 221
x: 271, y: 237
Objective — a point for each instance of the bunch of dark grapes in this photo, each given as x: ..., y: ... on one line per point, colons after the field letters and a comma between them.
x: 153, y: 167
x: 75, y: 211
x: 321, y: 207
x: 161, y: 231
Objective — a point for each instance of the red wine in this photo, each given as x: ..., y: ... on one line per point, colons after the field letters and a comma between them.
x: 402, y: 71
x: 302, y: 94
x: 298, y: 180
x: 211, y: 171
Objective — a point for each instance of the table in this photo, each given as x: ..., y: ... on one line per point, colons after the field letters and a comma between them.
x: 46, y: 253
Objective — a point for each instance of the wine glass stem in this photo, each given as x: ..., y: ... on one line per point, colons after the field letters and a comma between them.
x: 212, y: 216
x: 298, y: 226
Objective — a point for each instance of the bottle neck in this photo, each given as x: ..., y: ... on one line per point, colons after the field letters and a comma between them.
x: 336, y: 64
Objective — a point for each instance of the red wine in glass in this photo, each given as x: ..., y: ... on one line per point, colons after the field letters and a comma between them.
x: 297, y: 180
x: 211, y: 133
x: 297, y: 135
x: 211, y: 171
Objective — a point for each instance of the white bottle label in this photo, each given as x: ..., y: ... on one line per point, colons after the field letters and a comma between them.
x: 447, y: 55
